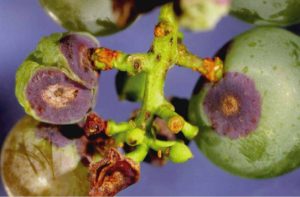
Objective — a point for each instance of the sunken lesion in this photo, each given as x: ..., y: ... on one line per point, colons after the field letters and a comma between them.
x: 230, y: 105
x: 59, y: 96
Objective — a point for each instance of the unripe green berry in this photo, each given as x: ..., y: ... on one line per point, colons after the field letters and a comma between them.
x: 135, y: 136
x: 180, y: 153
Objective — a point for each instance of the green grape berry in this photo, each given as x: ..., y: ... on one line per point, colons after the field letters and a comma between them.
x: 180, y: 153
x: 38, y: 160
x: 249, y: 120
x: 265, y: 12
x: 57, y: 82
x: 99, y: 17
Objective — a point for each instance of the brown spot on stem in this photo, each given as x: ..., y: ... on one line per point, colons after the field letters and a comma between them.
x: 158, y: 57
x: 151, y: 50
x: 106, y: 56
x: 161, y: 29
x: 212, y: 69
x: 137, y: 64
x: 113, y: 174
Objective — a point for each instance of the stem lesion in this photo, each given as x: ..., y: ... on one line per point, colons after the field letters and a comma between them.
x: 211, y: 69
x: 107, y: 59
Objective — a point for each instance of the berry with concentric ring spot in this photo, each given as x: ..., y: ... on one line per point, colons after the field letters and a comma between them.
x: 249, y: 120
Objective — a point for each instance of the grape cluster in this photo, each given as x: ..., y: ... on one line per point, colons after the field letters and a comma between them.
x: 242, y: 113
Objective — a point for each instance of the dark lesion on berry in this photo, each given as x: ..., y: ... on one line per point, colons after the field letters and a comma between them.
x: 85, y: 59
x: 59, y: 96
x: 230, y: 105
x: 233, y: 105
x: 112, y: 174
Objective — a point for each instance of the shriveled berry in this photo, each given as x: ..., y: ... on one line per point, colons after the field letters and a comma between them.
x: 249, y: 121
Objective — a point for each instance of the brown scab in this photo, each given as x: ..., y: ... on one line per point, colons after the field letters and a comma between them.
x: 161, y: 29
x: 137, y: 65
x: 106, y: 56
x: 158, y: 57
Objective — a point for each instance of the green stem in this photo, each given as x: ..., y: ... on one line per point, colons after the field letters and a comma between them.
x: 139, y: 154
x: 107, y: 59
x: 114, y: 128
x: 166, y: 50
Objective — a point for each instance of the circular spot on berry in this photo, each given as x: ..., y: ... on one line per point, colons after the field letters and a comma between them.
x: 233, y: 105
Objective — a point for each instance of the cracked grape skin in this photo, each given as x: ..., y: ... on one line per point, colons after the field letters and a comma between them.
x: 270, y: 57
